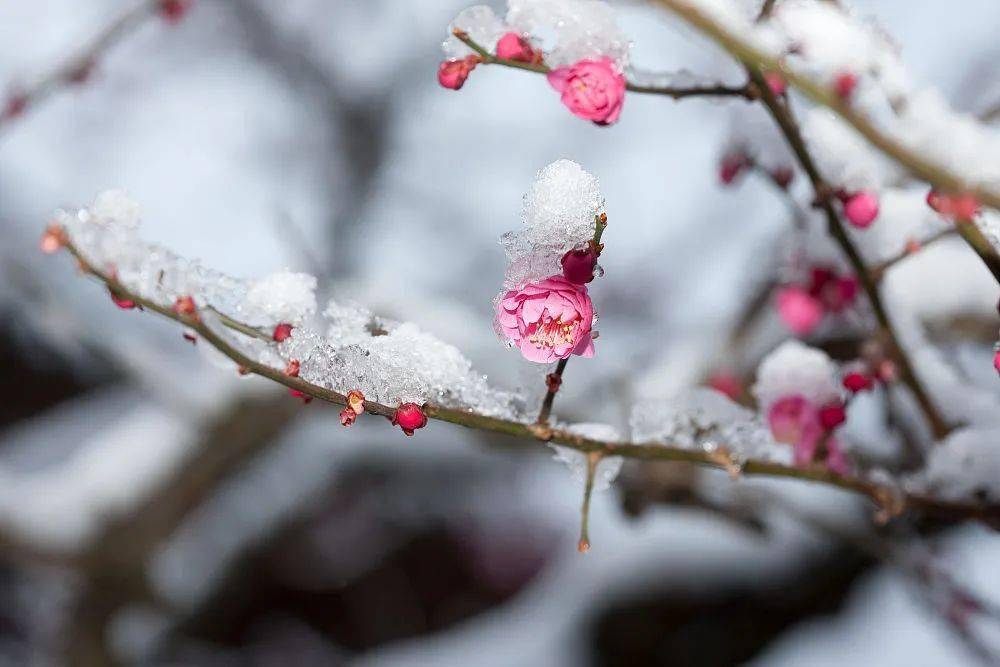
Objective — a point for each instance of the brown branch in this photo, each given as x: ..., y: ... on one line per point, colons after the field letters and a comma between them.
x: 782, y: 115
x: 886, y: 497
x: 75, y: 70
x: 675, y: 92
x: 920, y: 166
x: 877, y: 272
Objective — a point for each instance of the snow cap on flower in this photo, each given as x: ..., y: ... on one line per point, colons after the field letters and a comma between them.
x: 591, y: 89
x: 796, y: 369
x: 576, y: 29
x: 481, y: 25
x: 547, y: 320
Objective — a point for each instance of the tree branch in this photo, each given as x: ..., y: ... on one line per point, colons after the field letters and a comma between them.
x: 920, y: 166
x: 676, y: 92
x: 889, y: 498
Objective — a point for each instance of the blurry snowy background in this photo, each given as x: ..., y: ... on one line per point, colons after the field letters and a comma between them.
x: 211, y: 520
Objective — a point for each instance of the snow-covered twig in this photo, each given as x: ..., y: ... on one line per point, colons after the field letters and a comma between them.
x: 675, y: 92
x: 888, y: 497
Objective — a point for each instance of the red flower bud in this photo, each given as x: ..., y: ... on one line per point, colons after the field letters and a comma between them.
x: 996, y: 361
x: 282, y: 332
x: 578, y: 265
x: 731, y: 166
x: 782, y: 177
x: 15, y: 106
x: 190, y: 336
x: 857, y: 382
x: 453, y: 73
x: 184, y: 305
x: 124, y: 304
x: 831, y: 416
x: 727, y: 384
x: 292, y: 369
x: 409, y: 417
x: 347, y: 416
x: 513, y: 46
x: 356, y: 401
x: 844, y: 84
x: 861, y: 208
x: 173, y: 11
x: 53, y: 239
x: 934, y: 200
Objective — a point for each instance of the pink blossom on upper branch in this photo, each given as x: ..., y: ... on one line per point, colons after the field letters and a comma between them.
x: 799, y: 310
x: 453, y: 73
x: 548, y: 320
x: 591, y: 89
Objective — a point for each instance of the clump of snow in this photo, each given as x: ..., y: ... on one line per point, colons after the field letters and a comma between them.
x: 704, y: 419
x: 115, y: 207
x: 281, y: 297
x: 482, y: 25
x: 966, y: 465
x: 752, y: 132
x: 795, y: 369
x: 559, y: 214
x: 607, y: 468
x: 827, y: 36
x: 350, y: 323
x: 843, y: 156
x: 574, y: 29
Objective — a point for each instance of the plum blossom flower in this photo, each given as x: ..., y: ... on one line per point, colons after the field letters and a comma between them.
x: 547, y: 320
x: 796, y: 421
x: 591, y: 89
x: 800, y: 312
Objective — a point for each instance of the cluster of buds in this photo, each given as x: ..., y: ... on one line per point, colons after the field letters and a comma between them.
x: 513, y: 47
x: 292, y: 371
x: 961, y: 207
x: 354, y: 409
x: 809, y: 428
x: 803, y: 307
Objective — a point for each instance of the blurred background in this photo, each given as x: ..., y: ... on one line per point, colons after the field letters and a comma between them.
x: 156, y: 509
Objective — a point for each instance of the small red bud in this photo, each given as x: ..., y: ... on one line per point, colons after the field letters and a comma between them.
x: 53, y: 239
x: 173, y: 11
x: 887, y: 371
x: 15, y: 106
x: 282, y: 331
x: 913, y: 246
x: 292, y: 369
x: 306, y: 398
x: 844, y: 84
x: 996, y: 361
x: 124, y: 304
x: 934, y: 200
x: 857, y: 382
x: 731, y: 166
x: 861, y: 208
x: 243, y: 370
x: 513, y: 46
x: 727, y: 384
x: 831, y: 416
x: 553, y: 382
x: 184, y: 305
x: 190, y: 336
x: 453, y: 73
x: 409, y: 417
x: 782, y: 177
x: 578, y: 265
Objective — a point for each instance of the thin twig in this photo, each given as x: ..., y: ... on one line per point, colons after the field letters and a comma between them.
x: 882, y: 495
x: 77, y: 68
x: 877, y: 272
x: 676, y: 92
x: 824, y: 197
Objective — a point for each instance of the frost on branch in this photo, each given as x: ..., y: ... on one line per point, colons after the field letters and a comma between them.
x: 558, y: 215
x: 607, y: 468
x: 390, y: 362
x: 705, y: 420
x: 571, y: 30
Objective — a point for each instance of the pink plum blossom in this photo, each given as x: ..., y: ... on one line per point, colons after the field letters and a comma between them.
x: 548, y: 320
x: 591, y: 89
x: 796, y: 421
